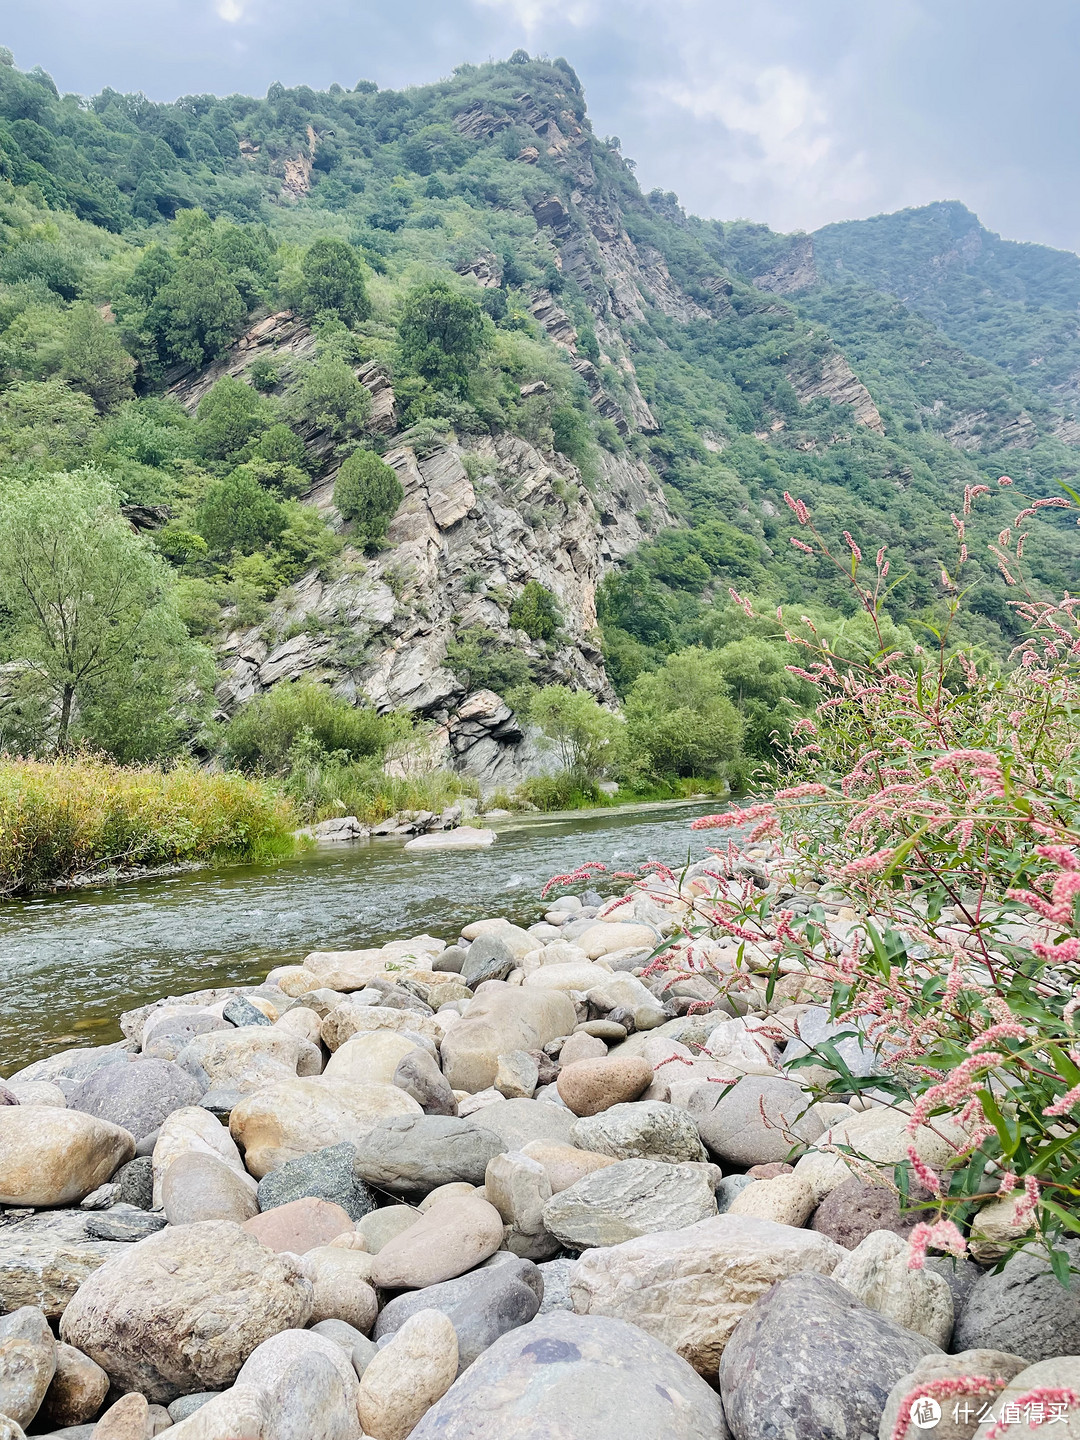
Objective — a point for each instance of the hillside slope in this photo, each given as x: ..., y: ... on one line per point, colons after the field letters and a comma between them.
x: 641, y: 390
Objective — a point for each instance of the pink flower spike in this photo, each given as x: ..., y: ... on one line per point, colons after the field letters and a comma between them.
x: 941, y: 1235
x: 1004, y: 480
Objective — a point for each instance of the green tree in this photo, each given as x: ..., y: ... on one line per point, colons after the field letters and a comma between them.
x: 442, y: 334
x: 587, y: 738
x: 196, y: 314
x: 238, y: 514
x: 44, y: 422
x: 90, y: 619
x: 680, y: 719
x: 332, y: 399
x: 230, y: 416
x: 95, y: 360
x: 536, y: 611
x: 368, y: 492
x: 334, y: 280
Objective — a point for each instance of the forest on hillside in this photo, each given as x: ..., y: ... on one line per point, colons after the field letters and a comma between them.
x: 425, y: 240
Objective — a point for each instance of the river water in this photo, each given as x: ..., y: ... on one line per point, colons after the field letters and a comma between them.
x: 70, y: 963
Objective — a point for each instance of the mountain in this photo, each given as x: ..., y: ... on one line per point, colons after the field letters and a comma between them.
x: 642, y: 386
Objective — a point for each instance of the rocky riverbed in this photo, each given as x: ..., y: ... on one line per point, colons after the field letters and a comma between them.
x: 512, y: 1184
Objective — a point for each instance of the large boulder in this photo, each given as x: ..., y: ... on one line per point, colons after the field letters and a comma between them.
x: 247, y: 1058
x: 502, y: 1294
x: 576, y: 1376
x: 758, y: 1120
x: 880, y: 1135
x: 294, y: 1117
x: 295, y: 1386
x: 1023, y: 1309
x: 690, y: 1288
x: 137, y: 1097
x: 183, y: 1310
x: 27, y: 1363
x: 50, y: 1156
x: 412, y: 1154
x: 629, y: 1199
x: 370, y: 1056
x: 405, y: 1377
x: 502, y: 1019
x: 809, y: 1362
x: 641, y: 1130
x: 877, y: 1273
x: 44, y: 1258
x: 519, y: 1122
x: 972, y: 1364
x: 450, y: 1238
x: 185, y: 1131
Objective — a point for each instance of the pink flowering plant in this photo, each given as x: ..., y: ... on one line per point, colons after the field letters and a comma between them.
x: 935, y: 797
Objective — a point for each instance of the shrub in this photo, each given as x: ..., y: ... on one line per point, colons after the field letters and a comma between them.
x: 368, y: 492
x: 680, y: 719
x: 442, y: 334
x: 564, y: 791
x: 481, y: 662
x: 334, y: 281
x: 238, y: 514
x: 536, y: 611
x: 264, y: 375
x: 262, y: 733
x: 332, y: 399
x: 230, y: 416
x: 77, y: 815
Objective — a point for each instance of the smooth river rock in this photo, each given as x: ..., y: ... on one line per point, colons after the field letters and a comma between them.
x: 182, y: 1310
x: 27, y: 1363
x: 294, y: 1117
x: 502, y: 1019
x: 326, y: 1174
x: 300, y: 1225
x: 50, y: 1156
x: 991, y: 1364
x: 690, y: 1288
x: 734, y: 1128
x: 405, y: 1378
x: 138, y: 1096
x: 198, y: 1187
x: 412, y: 1154
x: 193, y: 1129
x: 589, y: 1086
x: 578, y: 1377
x: 809, y: 1362
x: 244, y: 1060
x: 77, y: 1390
x: 1022, y: 1309
x: 629, y: 1199
x: 450, y: 1238
x: 877, y: 1273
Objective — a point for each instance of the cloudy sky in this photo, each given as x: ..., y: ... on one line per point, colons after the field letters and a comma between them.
x: 795, y: 112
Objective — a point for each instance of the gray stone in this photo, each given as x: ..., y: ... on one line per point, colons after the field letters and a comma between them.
x: 641, y: 1130
x: 167, y: 1038
x: 412, y: 1154
x: 810, y: 1362
x: 632, y: 1198
x: 487, y: 958
x: 363, y: 1352
x: 188, y: 1404
x: 556, y: 1276
x: 959, y: 1275
x: 454, y: 1297
x: 327, y: 1174
x: 240, y: 1011
x: 340, y: 1332
x: 580, y: 1376
x: 419, y: 1076
x: 731, y: 1124
x: 991, y: 1364
x: 497, y: 1303
x: 137, y: 1096
x: 27, y: 1363
x: 1023, y: 1309
x: 1061, y: 1373
x: 136, y: 1181
x: 124, y: 1223
x: 450, y: 961
x: 46, y: 1257
x: 516, y: 1122
x: 815, y: 1027
x: 198, y: 1186
x: 729, y: 1187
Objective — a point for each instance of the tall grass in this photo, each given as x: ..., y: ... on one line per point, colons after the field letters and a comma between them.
x: 74, y: 816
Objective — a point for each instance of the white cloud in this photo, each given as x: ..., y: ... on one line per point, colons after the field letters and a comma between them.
x: 534, y: 16
x: 231, y: 11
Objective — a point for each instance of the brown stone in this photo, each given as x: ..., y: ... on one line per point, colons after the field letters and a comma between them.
x: 856, y: 1209
x: 300, y: 1225
x: 126, y: 1420
x: 50, y: 1156
x: 589, y: 1086
x: 565, y: 1164
x: 770, y: 1171
x: 78, y: 1389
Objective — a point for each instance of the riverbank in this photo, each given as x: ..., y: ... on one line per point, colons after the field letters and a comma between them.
x: 519, y: 1177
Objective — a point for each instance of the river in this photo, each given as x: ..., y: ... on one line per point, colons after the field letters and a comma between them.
x: 70, y: 963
